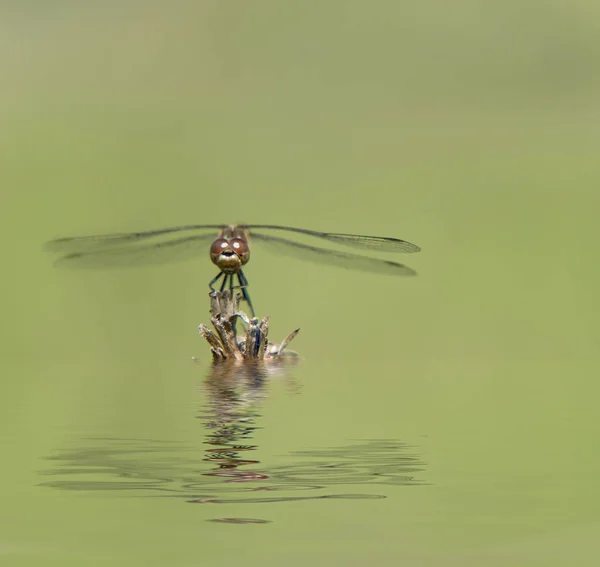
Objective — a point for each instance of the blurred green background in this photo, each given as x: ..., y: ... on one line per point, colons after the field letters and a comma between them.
x: 470, y: 128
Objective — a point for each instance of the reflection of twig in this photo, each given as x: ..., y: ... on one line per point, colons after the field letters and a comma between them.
x: 226, y: 345
x: 235, y: 390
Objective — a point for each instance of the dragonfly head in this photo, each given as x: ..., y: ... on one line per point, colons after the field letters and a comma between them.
x: 230, y: 255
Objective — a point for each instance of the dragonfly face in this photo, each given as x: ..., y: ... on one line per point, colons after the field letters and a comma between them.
x: 231, y: 250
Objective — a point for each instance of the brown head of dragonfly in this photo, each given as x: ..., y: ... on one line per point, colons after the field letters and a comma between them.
x: 229, y: 252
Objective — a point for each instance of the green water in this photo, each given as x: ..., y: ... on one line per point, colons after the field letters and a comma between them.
x: 447, y: 419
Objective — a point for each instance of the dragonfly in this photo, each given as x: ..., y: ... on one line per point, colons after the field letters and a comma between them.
x: 229, y: 249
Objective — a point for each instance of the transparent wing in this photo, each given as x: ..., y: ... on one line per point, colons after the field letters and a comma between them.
x: 77, y: 244
x: 381, y: 243
x: 163, y: 252
x: 335, y: 258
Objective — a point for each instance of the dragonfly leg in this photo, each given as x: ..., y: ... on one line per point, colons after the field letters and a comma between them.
x: 215, y: 280
x: 243, y: 286
x: 224, y: 284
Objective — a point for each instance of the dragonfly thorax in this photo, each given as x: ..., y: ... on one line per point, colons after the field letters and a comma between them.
x: 230, y: 255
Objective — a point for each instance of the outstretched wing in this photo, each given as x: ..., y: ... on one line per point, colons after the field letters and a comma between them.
x: 380, y: 243
x: 335, y: 258
x: 159, y: 246
x: 79, y: 244
x: 133, y: 254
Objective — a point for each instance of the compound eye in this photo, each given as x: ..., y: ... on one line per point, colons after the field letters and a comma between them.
x: 241, y: 248
x: 217, y: 247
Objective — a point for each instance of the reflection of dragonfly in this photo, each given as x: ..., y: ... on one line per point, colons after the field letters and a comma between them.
x: 229, y: 251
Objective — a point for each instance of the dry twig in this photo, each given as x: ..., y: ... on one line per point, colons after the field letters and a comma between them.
x: 225, y: 344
